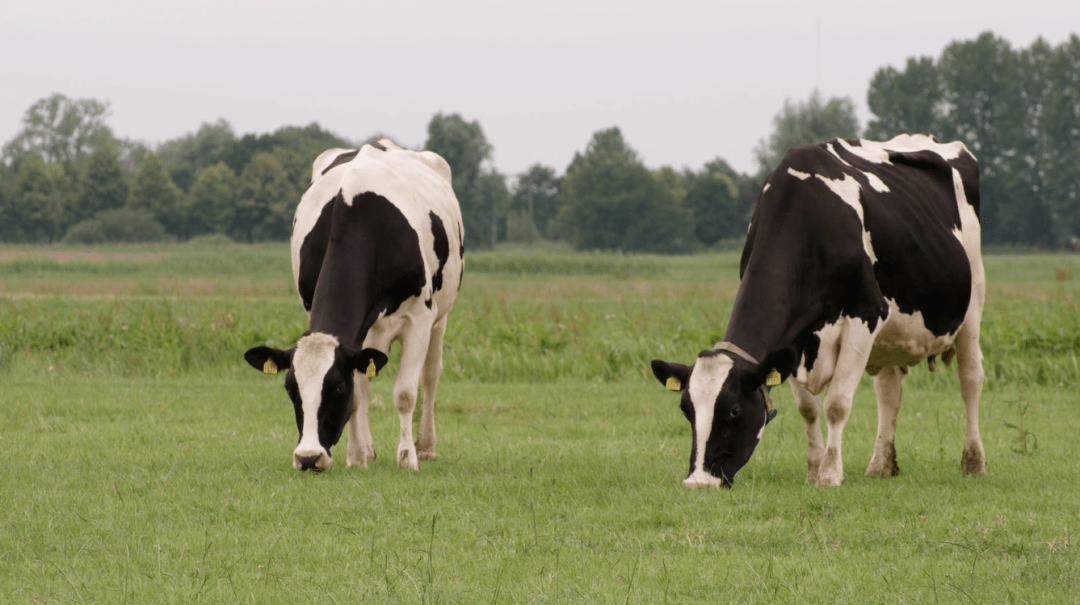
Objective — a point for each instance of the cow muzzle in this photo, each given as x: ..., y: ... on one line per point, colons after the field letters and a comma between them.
x: 317, y: 461
x: 700, y: 478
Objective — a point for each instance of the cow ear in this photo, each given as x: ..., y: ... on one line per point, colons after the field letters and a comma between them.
x: 368, y: 361
x: 777, y: 367
x: 268, y: 360
x: 674, y: 376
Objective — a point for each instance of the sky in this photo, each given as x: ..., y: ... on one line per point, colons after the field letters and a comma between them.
x: 685, y: 80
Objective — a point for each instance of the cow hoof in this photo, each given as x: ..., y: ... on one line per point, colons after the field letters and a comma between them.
x: 972, y: 462
x: 830, y: 480
x: 362, y: 463
x: 407, y: 460
x: 426, y: 454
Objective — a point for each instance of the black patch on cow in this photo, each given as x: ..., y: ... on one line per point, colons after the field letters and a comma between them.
x: 341, y: 159
x: 442, y: 249
x: 378, y: 145
x: 312, y: 253
x: 738, y: 415
x: 461, y: 255
x: 372, y: 265
x: 911, y: 229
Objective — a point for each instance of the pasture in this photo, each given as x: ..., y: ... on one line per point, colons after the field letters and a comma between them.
x: 145, y: 462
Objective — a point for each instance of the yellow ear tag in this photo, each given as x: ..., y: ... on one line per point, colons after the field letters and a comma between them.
x: 772, y: 379
x: 371, y: 371
x: 269, y: 367
x: 673, y: 384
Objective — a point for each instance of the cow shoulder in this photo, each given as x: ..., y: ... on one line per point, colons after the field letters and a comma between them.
x: 329, y: 159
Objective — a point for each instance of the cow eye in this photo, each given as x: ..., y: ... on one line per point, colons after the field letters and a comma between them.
x: 734, y: 412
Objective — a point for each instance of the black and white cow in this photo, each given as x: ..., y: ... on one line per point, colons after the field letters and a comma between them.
x: 860, y: 255
x: 377, y: 257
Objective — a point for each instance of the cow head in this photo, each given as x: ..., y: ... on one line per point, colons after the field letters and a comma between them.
x: 319, y: 381
x: 727, y: 403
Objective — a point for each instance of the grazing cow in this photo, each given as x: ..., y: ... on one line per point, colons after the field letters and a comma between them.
x: 377, y: 257
x: 860, y: 255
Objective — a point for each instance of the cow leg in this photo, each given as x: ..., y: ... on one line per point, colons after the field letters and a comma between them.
x: 429, y: 380
x: 887, y: 388
x: 854, y: 352
x: 414, y: 346
x: 810, y: 409
x: 361, y: 444
x: 970, y: 369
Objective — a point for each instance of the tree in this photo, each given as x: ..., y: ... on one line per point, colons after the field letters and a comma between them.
x: 490, y: 198
x: 612, y: 201
x: 463, y: 145
x: 35, y: 202
x: 154, y: 192
x: 61, y: 130
x: 1061, y: 127
x: 905, y: 102
x: 102, y: 184
x: 264, y: 201
x: 211, y: 201
x: 806, y: 123
x: 538, y: 196
x: 186, y: 156
x: 712, y: 198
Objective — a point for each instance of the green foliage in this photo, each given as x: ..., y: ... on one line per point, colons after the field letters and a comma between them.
x: 154, y: 192
x: 612, y: 201
x: 188, y: 155
x: 265, y: 201
x: 538, y: 194
x: 35, y: 202
x: 713, y: 199
x: 211, y: 203
x: 61, y: 130
x: 117, y: 225
x: 103, y: 184
x: 812, y: 121
x: 905, y: 102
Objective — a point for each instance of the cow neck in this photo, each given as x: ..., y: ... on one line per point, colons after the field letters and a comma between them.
x: 343, y: 302
x: 764, y: 318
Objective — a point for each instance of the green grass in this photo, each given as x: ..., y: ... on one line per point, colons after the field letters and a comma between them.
x: 150, y: 464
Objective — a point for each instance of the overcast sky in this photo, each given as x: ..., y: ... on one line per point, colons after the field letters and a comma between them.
x: 686, y: 81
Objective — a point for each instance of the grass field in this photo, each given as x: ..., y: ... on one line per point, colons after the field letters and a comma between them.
x: 147, y: 463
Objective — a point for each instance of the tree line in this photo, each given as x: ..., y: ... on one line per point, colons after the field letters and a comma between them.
x: 66, y: 176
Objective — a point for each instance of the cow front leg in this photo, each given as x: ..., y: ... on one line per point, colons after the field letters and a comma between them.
x: 361, y: 444
x: 810, y: 409
x: 854, y: 353
x: 413, y: 352
x: 429, y: 379
x: 887, y: 388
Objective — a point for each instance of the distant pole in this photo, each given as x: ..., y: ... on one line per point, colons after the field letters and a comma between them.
x: 817, y: 76
x: 531, y: 225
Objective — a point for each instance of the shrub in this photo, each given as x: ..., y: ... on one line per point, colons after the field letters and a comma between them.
x: 120, y: 225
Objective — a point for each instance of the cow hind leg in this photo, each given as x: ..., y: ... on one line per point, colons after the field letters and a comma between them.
x: 361, y: 444
x: 970, y: 369
x: 429, y: 381
x: 810, y: 409
x: 887, y: 388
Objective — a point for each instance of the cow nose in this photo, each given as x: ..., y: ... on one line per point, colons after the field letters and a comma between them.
x: 307, y: 463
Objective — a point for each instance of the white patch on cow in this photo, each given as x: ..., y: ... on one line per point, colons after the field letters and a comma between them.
x: 875, y: 182
x: 313, y: 358
x: 762, y: 431
x: 706, y: 380
x: 878, y: 151
x: 802, y: 176
x: 849, y: 191
x: 904, y: 340
x: 832, y: 150
x: 766, y: 187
